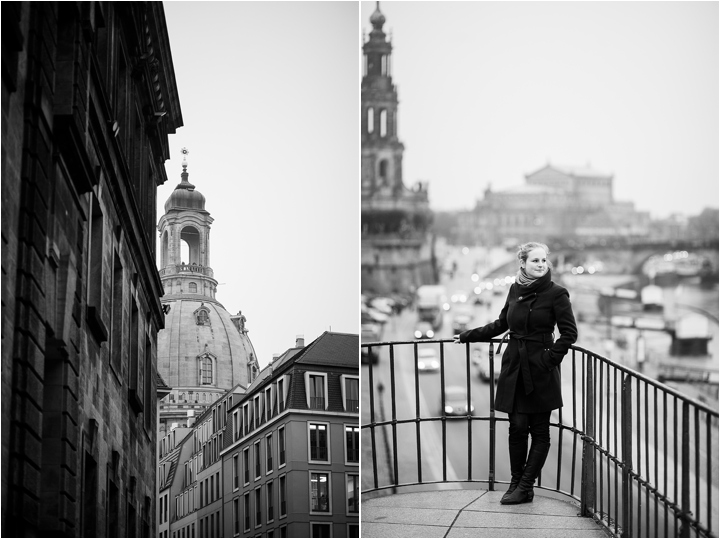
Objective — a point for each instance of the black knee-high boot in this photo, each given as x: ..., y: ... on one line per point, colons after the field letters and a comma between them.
x: 518, y: 456
x: 536, y: 459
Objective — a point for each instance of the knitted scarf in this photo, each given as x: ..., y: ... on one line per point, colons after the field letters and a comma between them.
x: 529, y: 283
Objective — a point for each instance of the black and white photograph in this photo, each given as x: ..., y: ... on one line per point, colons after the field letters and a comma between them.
x: 539, y: 269
x: 180, y: 269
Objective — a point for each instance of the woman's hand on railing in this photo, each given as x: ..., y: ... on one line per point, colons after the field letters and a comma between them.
x: 456, y: 339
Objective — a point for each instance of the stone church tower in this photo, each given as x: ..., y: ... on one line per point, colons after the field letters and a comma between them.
x: 203, y: 350
x: 396, y: 245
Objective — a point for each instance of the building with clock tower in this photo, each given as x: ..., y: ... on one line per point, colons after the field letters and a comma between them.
x: 397, y: 253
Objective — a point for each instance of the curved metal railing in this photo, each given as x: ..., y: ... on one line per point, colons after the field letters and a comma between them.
x: 648, y: 455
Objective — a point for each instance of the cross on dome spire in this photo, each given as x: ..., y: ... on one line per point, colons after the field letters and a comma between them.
x: 185, y: 184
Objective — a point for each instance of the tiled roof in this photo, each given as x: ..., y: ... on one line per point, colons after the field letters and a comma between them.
x: 340, y: 349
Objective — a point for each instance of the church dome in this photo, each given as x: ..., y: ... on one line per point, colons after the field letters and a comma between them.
x: 185, y: 196
x: 204, y: 347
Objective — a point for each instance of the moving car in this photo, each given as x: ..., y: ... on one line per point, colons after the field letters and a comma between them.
x: 427, y: 360
x: 424, y: 330
x: 456, y: 401
x: 479, y: 358
x: 462, y: 318
x: 485, y: 369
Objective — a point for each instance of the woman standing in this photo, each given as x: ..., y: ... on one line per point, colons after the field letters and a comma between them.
x: 528, y: 388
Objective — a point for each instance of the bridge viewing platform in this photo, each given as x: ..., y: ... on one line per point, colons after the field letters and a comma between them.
x: 630, y: 456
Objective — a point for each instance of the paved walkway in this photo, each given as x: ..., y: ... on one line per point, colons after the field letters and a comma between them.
x: 472, y: 513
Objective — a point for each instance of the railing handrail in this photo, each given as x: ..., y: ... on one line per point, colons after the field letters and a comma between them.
x: 611, y: 425
x: 627, y: 370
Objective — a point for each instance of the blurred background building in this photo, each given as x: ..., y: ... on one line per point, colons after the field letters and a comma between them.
x: 88, y: 100
x: 203, y: 350
x: 397, y: 247
x: 555, y: 203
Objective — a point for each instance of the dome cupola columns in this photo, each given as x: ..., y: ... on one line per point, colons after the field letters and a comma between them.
x: 186, y: 223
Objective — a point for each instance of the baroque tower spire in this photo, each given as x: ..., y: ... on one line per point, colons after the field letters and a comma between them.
x: 203, y: 350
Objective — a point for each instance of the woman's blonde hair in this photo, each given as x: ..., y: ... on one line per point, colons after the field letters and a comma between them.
x: 525, y: 248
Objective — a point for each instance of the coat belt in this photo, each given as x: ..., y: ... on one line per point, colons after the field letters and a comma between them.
x: 522, y: 351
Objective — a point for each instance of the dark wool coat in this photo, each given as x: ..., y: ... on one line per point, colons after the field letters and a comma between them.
x: 530, y: 370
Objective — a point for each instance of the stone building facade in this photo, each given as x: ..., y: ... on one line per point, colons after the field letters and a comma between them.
x: 88, y: 100
x: 396, y: 245
x: 278, y: 459
x: 203, y: 350
x: 556, y: 204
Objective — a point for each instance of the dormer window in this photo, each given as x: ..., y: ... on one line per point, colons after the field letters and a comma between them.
x: 202, y: 314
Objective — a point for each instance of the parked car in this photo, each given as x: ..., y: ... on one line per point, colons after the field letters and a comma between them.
x: 428, y: 360
x: 369, y: 333
x: 456, y: 401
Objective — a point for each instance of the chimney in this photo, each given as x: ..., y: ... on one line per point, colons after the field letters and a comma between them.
x: 190, y: 418
x: 299, y: 341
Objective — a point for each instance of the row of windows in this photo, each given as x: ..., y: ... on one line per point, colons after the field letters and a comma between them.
x: 256, y: 507
x: 383, y: 122
x: 203, y: 493
x: 318, y: 452
x: 271, y: 402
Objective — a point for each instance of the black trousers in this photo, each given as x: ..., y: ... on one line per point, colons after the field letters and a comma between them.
x: 535, y: 425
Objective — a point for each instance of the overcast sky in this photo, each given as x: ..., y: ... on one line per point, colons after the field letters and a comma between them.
x: 269, y: 93
x: 491, y: 91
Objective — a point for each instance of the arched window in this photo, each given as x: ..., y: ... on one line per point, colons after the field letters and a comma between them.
x: 206, y: 369
x: 164, y: 250
x: 383, y: 122
x: 371, y: 120
x: 383, y: 172
x: 193, y: 288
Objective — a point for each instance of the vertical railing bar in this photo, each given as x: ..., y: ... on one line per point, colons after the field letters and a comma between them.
x: 665, y: 457
x: 574, y: 422
x: 560, y: 448
x: 394, y: 414
x: 626, y: 421
x: 616, y: 516
x: 417, y: 413
x: 610, y: 403
x: 444, y: 415
x: 676, y: 456
x: 583, y: 383
x: 697, y: 461
x: 656, y: 424
x: 468, y: 404
x: 373, y: 443
x: 615, y: 442
x: 709, y: 468
x: 639, y: 455
x: 600, y: 425
x: 685, y: 486
x: 493, y: 422
x: 587, y: 492
x: 647, y: 456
